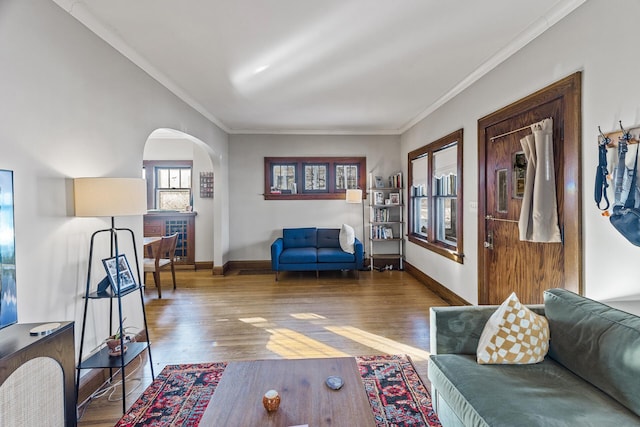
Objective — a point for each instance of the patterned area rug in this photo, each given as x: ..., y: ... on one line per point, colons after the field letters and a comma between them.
x: 180, y: 394
x: 396, y: 393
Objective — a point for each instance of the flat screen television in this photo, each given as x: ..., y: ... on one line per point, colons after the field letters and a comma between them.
x: 8, y: 294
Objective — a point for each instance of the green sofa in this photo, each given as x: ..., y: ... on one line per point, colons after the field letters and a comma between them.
x: 590, y: 377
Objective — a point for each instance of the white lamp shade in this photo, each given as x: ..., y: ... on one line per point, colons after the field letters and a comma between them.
x: 354, y: 195
x: 110, y: 196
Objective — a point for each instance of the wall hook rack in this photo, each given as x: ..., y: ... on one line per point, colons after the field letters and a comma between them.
x: 610, y: 139
x: 605, y: 140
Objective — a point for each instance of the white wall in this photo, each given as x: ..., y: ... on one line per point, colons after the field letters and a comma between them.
x: 599, y: 39
x: 256, y: 222
x: 71, y: 106
x: 184, y: 149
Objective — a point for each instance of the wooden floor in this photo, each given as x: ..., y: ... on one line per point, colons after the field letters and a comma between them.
x: 250, y: 316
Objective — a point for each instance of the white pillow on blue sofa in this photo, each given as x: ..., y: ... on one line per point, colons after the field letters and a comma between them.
x: 347, y: 238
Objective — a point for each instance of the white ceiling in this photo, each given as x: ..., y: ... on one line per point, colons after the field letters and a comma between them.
x: 330, y: 66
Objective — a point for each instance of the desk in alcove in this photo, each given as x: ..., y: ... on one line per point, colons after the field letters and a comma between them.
x: 164, y: 223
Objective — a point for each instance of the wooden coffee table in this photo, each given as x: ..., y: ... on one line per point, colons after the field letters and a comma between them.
x: 305, y: 398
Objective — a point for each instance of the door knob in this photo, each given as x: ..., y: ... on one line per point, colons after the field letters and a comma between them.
x: 489, y: 242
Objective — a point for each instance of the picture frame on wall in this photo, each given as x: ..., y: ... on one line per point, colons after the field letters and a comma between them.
x: 121, y: 269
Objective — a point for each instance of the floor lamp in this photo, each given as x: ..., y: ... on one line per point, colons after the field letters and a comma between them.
x: 111, y: 197
x: 354, y: 195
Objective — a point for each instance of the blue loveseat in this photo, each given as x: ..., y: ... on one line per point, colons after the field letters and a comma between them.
x: 590, y: 377
x: 313, y: 249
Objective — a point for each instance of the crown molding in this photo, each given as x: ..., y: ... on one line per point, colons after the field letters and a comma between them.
x: 79, y: 11
x: 541, y: 25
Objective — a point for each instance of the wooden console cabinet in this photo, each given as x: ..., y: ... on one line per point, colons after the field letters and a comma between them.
x: 37, y: 376
x: 183, y: 223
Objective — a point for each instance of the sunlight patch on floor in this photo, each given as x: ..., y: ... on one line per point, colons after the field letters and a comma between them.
x: 291, y: 345
x: 378, y: 342
x: 253, y: 320
x: 306, y: 316
x: 258, y: 322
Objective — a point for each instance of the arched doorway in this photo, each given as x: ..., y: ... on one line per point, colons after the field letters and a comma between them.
x: 171, y: 147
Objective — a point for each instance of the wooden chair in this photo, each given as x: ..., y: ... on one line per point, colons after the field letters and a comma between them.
x: 163, y: 256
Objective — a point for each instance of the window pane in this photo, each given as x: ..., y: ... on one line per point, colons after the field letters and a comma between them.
x: 519, y: 174
x: 173, y: 199
x: 174, y: 178
x: 419, y: 194
x: 501, y: 190
x: 341, y: 177
x: 446, y: 221
x: 445, y: 161
x: 163, y: 178
x: 352, y: 176
x: 284, y: 177
x: 419, y: 172
x: 421, y: 215
x: 315, y: 178
x: 346, y: 177
x: 185, y: 178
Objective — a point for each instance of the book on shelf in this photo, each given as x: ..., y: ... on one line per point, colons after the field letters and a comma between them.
x: 379, y: 232
x: 395, y: 180
x: 381, y: 215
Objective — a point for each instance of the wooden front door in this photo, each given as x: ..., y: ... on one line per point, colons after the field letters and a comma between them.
x: 507, y: 264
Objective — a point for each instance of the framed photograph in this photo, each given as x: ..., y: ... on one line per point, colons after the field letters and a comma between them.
x: 379, y: 182
x: 120, y: 269
x: 378, y: 198
x: 394, y: 198
x: 388, y: 233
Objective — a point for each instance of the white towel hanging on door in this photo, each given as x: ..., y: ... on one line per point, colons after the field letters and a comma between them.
x: 539, y: 213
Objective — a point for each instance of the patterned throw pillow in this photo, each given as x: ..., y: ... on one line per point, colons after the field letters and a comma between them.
x: 514, y: 335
